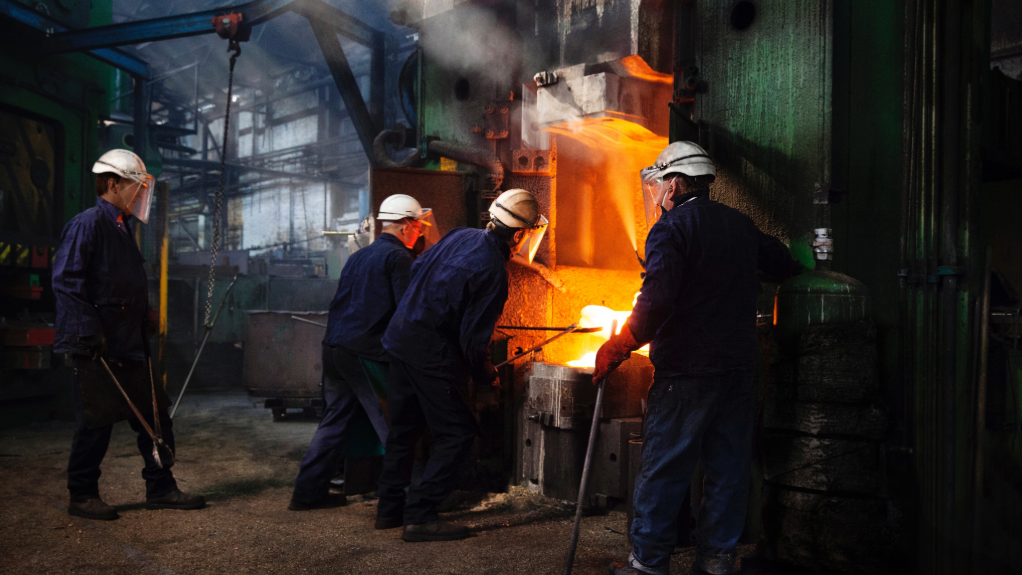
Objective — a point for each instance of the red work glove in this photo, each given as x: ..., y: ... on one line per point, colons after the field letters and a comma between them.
x: 617, y: 349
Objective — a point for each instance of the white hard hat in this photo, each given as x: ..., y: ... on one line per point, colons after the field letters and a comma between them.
x: 677, y: 158
x: 124, y: 163
x: 684, y: 158
x: 518, y: 209
x: 515, y: 208
x: 128, y: 165
x: 399, y: 207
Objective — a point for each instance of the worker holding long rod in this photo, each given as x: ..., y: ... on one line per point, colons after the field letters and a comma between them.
x: 104, y: 323
x: 438, y: 340
x: 697, y: 309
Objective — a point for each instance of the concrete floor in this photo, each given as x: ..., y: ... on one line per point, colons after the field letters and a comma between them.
x: 231, y: 452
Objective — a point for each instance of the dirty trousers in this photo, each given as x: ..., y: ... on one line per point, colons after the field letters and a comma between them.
x: 415, y: 400
x: 342, y: 412
x: 89, y: 446
x: 691, y: 415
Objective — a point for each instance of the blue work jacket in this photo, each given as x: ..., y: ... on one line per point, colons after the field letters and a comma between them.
x: 697, y: 307
x: 445, y: 320
x: 372, y: 283
x: 100, y: 284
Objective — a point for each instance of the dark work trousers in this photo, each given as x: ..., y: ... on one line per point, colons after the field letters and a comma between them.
x: 708, y: 414
x: 416, y: 400
x: 342, y: 411
x: 89, y: 447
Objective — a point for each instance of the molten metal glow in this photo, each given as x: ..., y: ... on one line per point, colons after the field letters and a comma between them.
x: 587, y: 360
x: 602, y: 317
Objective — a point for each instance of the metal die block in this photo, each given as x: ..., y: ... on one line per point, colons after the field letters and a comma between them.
x: 560, y: 396
x: 611, y: 457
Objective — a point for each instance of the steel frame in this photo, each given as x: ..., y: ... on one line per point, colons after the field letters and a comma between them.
x: 326, y: 22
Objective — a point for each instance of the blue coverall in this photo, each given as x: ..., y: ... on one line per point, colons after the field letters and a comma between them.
x: 438, y: 339
x: 372, y: 283
x: 101, y: 289
x: 697, y: 308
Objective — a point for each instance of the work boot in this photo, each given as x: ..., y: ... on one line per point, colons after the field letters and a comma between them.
x: 384, y: 523
x: 714, y: 564
x: 633, y: 567
x: 176, y: 500
x: 435, y: 531
x: 328, y: 501
x: 93, y: 508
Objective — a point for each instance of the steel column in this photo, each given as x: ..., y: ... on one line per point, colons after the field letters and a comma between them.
x: 346, y: 85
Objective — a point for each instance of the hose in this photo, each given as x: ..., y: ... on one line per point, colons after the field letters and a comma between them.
x: 395, y: 138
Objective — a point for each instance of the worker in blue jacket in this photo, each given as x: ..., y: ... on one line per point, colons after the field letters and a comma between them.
x: 438, y: 340
x: 354, y: 362
x: 103, y: 315
x: 697, y: 310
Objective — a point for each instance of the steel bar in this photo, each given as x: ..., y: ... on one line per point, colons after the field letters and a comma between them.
x: 569, y: 329
x: 346, y: 85
x: 530, y: 328
x: 166, y: 28
x: 586, y: 470
x: 296, y: 318
x: 198, y: 354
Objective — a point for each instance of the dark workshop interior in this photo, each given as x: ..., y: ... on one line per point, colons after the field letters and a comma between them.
x: 879, y: 140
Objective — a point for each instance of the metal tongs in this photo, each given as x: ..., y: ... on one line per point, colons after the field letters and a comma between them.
x: 156, y: 436
x: 573, y: 328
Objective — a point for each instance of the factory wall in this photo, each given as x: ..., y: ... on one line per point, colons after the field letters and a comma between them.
x: 62, y: 98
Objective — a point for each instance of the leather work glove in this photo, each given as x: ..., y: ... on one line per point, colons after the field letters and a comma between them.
x: 613, y: 353
x: 152, y: 324
x: 95, y: 345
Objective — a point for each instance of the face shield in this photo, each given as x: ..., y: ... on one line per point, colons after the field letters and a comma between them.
x: 140, y: 200
x: 430, y: 231
x: 536, y: 233
x: 654, y: 193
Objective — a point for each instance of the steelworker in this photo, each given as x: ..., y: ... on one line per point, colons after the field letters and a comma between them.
x: 697, y: 310
x: 103, y: 316
x: 438, y: 339
x: 354, y: 362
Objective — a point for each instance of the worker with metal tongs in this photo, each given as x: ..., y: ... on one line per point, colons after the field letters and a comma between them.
x: 438, y: 339
x: 697, y: 310
x: 355, y: 364
x: 104, y: 324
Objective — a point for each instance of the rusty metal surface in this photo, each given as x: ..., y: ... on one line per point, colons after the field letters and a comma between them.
x: 442, y: 191
x: 283, y: 356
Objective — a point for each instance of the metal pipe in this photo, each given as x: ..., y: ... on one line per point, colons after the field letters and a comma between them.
x: 572, y: 328
x: 471, y: 155
x: 586, y: 468
x: 296, y: 318
x: 205, y: 338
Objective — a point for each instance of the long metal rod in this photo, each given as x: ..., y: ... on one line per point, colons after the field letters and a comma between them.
x: 586, y: 469
x: 530, y: 328
x: 569, y: 329
x: 198, y: 354
x: 296, y: 318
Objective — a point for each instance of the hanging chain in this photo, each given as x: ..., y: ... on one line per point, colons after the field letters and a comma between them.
x: 214, y: 245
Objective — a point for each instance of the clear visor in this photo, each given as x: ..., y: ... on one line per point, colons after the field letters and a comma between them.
x: 430, y: 231
x: 536, y: 234
x: 142, y: 201
x: 654, y: 191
